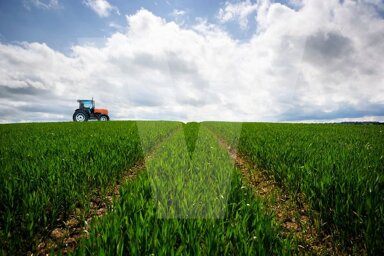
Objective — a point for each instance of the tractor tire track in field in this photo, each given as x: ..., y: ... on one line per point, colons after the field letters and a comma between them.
x: 291, y: 213
x: 65, y: 237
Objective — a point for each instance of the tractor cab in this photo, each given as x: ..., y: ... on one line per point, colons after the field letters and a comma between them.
x: 87, y: 111
x: 88, y: 105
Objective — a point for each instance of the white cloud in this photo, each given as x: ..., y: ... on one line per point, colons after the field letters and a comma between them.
x: 116, y: 26
x: 42, y: 4
x: 179, y: 16
x: 102, y: 7
x: 238, y: 12
x: 320, y: 62
x: 177, y: 12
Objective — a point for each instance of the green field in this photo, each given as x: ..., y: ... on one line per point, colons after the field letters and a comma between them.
x: 189, y: 197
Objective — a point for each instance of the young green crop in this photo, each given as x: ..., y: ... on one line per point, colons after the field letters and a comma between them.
x: 339, y: 168
x: 153, y: 132
x: 190, y: 184
x: 48, y: 170
x: 186, y: 205
x: 191, y: 132
x: 190, y: 200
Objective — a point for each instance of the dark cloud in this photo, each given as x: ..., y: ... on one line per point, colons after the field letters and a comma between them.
x: 345, y: 110
x: 7, y: 111
x: 20, y: 92
x: 53, y: 107
x: 324, y: 48
x: 32, y: 103
x: 146, y: 100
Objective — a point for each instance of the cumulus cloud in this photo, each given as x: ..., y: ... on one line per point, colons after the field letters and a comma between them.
x: 319, y: 62
x: 238, y: 12
x: 101, y: 7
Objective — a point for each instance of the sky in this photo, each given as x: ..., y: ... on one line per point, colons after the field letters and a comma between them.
x: 193, y: 60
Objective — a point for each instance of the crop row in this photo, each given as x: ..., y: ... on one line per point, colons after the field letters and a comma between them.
x: 190, y: 200
x: 49, y: 170
x: 339, y: 168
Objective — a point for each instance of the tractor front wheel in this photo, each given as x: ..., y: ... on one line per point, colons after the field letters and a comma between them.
x: 80, y: 116
x: 103, y: 118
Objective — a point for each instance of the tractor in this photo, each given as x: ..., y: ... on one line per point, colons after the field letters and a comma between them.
x: 87, y: 111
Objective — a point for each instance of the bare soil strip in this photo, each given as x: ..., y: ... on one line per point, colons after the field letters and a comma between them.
x: 66, y: 236
x: 291, y: 212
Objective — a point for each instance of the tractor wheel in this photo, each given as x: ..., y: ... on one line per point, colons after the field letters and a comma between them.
x: 103, y: 118
x: 80, y: 116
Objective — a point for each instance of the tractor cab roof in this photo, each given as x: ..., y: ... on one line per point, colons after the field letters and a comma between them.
x: 85, y: 101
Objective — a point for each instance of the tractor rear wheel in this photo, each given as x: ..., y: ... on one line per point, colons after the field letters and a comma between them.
x: 80, y: 116
x: 103, y: 118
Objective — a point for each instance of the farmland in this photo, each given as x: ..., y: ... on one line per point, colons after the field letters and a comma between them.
x: 49, y: 170
x: 338, y: 168
x: 190, y: 198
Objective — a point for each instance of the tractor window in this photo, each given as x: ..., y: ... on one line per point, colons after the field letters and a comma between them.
x: 88, y: 104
